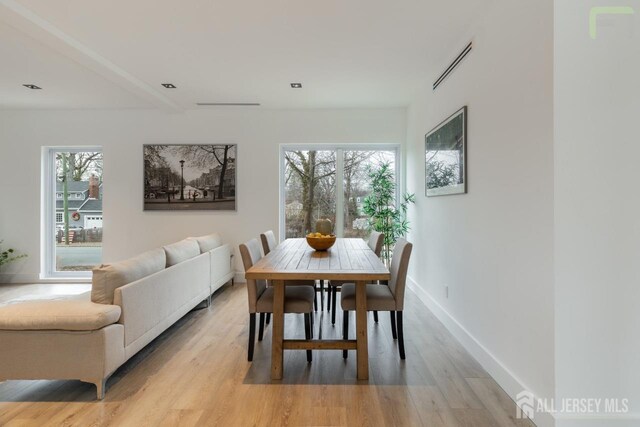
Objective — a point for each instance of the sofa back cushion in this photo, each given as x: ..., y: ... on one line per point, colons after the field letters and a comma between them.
x: 181, y: 251
x: 208, y: 242
x: 108, y: 277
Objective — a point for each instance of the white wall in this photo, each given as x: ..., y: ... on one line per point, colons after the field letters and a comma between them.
x: 129, y: 230
x: 597, y: 208
x: 493, y: 247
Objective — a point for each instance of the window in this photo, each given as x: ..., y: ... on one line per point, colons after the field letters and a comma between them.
x: 328, y: 182
x: 69, y: 247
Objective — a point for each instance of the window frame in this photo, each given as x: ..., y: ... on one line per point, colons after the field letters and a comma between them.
x: 339, y: 149
x: 48, y: 214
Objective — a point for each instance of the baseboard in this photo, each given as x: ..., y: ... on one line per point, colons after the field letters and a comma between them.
x: 28, y: 279
x: 621, y: 420
x: 500, y: 373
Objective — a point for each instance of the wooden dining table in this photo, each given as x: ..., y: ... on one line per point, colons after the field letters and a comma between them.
x: 347, y: 260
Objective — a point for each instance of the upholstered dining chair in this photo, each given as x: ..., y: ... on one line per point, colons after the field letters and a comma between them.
x: 297, y: 299
x: 269, y: 243
x: 383, y: 298
x: 376, y: 239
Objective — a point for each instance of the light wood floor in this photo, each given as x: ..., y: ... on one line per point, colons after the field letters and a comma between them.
x: 196, y: 374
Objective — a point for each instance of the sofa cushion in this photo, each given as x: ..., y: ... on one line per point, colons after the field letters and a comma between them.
x: 65, y: 315
x: 181, y: 251
x: 208, y: 242
x: 108, y: 277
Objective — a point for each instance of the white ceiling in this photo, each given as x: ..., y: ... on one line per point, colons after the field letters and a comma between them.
x: 115, y: 54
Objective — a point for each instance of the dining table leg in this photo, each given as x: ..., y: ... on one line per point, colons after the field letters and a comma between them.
x: 362, y: 348
x: 277, y: 341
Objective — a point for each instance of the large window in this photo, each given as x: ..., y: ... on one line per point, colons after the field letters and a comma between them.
x: 331, y: 182
x: 72, y: 211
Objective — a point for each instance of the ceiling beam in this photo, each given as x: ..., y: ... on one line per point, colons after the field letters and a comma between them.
x: 25, y: 20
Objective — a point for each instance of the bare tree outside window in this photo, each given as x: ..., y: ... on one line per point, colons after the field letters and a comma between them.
x: 310, y: 188
x: 357, y: 187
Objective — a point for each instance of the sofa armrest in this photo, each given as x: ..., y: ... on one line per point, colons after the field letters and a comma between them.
x: 221, y: 271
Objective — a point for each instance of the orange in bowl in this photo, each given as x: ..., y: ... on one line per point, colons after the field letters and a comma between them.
x: 321, y: 242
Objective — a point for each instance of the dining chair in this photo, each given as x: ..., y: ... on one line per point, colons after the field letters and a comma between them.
x: 297, y: 299
x: 383, y: 298
x: 269, y: 243
x: 376, y: 239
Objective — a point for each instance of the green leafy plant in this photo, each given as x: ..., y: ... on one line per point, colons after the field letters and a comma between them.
x: 7, y: 256
x: 385, y: 215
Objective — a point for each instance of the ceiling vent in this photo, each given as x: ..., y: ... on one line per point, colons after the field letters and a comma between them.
x: 453, y: 65
x: 227, y: 104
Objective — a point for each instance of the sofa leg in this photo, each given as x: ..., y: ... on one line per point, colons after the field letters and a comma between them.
x: 101, y: 388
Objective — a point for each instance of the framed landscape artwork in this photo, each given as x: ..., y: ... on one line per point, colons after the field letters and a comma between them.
x: 190, y: 177
x: 445, y: 151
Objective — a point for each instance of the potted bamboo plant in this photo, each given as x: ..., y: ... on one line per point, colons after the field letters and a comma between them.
x: 385, y: 215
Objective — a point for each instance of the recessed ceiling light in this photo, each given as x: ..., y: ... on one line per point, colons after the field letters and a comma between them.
x: 32, y: 86
x: 296, y: 85
x: 169, y: 85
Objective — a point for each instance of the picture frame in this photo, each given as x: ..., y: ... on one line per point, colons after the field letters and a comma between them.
x: 188, y: 177
x: 446, y: 156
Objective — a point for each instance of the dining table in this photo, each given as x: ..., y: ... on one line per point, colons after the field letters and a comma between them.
x: 349, y: 259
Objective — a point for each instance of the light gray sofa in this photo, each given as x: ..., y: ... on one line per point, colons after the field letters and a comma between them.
x: 131, y: 303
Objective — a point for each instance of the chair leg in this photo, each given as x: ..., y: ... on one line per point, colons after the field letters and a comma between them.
x: 345, y: 330
x: 400, y: 335
x: 261, y: 327
x: 333, y: 306
x: 375, y: 316
x: 252, y: 335
x: 307, y: 332
x: 329, y: 289
x: 268, y: 319
x: 312, y: 323
x: 392, y: 314
x: 315, y: 299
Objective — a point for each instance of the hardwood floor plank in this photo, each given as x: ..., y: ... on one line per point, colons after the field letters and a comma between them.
x: 196, y: 374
